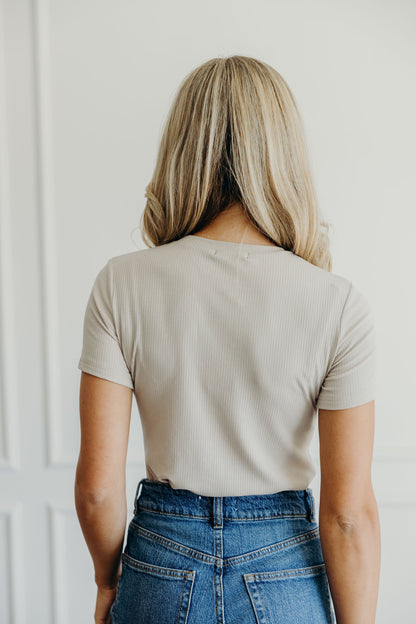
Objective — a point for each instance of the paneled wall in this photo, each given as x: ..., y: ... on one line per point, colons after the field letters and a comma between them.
x: 84, y: 89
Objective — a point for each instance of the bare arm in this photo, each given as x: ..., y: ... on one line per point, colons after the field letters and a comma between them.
x: 100, y: 487
x: 348, y: 515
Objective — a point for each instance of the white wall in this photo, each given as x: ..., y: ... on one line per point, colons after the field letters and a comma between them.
x: 85, y: 87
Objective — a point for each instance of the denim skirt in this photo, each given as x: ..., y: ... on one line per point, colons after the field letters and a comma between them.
x: 192, y: 559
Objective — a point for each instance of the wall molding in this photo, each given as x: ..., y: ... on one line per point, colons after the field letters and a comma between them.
x: 14, y: 549
x: 56, y: 456
x: 58, y: 581
x: 9, y: 417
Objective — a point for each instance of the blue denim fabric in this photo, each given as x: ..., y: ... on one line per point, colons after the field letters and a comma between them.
x: 192, y: 559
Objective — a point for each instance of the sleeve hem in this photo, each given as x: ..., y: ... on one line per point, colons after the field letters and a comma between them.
x: 97, y: 372
x: 347, y: 404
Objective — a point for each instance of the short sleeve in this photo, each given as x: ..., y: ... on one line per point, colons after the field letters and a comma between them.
x: 101, y: 351
x: 350, y: 380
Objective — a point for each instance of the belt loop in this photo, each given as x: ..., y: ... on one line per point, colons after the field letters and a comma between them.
x: 217, y: 512
x: 310, y: 502
x: 137, y: 495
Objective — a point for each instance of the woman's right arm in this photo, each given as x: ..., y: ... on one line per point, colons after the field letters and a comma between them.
x: 348, y: 516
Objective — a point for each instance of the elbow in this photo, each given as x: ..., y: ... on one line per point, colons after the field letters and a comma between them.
x: 85, y: 494
x: 349, y: 523
x: 89, y: 497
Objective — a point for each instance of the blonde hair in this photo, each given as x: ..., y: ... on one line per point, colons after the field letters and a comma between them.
x: 234, y: 134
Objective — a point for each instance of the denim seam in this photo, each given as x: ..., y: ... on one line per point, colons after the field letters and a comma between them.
x: 283, y: 574
x: 181, y: 600
x: 282, y: 545
x: 229, y: 519
x: 175, y: 546
x: 256, y: 596
x: 142, y: 565
x: 331, y: 620
x: 188, y: 600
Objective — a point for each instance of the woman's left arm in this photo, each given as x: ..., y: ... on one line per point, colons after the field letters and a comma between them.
x: 100, y: 479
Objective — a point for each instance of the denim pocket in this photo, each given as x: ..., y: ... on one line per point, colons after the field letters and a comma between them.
x: 290, y: 596
x: 152, y: 594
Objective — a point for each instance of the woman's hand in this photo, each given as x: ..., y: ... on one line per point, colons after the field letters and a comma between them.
x: 105, y: 598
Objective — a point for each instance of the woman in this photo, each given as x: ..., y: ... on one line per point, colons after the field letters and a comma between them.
x: 233, y: 334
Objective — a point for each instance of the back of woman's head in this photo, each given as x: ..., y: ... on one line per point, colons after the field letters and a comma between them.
x: 234, y: 134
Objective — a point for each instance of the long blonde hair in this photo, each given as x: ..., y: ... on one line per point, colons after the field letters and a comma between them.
x: 234, y: 134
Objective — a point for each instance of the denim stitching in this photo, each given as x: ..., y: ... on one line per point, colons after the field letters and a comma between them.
x: 308, y: 571
x: 149, y: 567
x: 331, y: 620
x: 175, y: 546
x: 189, y: 599
x: 259, y: 599
x: 191, y: 552
x: 180, y: 603
x: 298, y: 539
x: 253, y: 597
x: 249, y: 519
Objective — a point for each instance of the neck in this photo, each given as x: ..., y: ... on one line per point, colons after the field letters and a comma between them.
x: 233, y: 225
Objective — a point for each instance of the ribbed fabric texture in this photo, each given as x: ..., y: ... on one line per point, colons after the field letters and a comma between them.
x: 230, y: 350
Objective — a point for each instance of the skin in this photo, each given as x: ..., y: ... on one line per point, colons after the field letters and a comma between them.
x: 232, y: 225
x: 348, y: 515
x: 100, y: 487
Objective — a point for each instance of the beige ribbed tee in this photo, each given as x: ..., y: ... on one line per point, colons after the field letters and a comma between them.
x: 230, y: 350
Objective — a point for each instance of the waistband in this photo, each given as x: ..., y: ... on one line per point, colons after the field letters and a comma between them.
x: 161, y: 497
